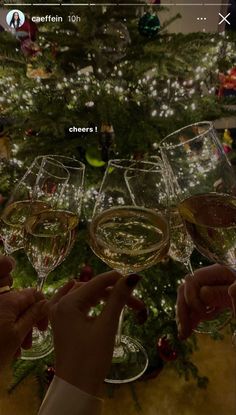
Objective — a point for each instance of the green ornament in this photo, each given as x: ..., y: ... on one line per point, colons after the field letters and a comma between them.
x: 149, y: 25
x: 93, y: 157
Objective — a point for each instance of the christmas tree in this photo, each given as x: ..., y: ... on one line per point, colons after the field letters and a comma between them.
x: 101, y: 83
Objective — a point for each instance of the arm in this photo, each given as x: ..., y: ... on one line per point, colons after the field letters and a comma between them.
x: 84, y: 344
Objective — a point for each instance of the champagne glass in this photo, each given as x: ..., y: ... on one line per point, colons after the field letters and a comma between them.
x: 33, y: 192
x: 73, y: 191
x: 204, y: 184
x: 74, y: 187
x: 129, y: 238
x: 49, y: 237
x: 181, y: 245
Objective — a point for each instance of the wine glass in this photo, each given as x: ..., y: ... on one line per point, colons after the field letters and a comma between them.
x: 48, y: 238
x: 33, y: 192
x: 74, y: 187
x: 204, y: 184
x: 129, y: 238
x: 181, y: 245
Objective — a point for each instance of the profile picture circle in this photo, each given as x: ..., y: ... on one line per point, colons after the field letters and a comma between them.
x: 15, y: 19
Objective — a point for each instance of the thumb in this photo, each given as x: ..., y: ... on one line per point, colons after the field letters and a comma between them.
x: 26, y: 321
x: 119, y: 296
x: 216, y: 296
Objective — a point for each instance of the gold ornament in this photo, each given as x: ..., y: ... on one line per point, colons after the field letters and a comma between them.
x: 39, y: 72
x: 227, y: 139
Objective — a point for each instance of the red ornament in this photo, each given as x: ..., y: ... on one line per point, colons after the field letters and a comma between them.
x: 165, y: 350
x: 49, y: 187
x: 28, y: 30
x: 86, y: 273
x: 227, y: 81
x: 227, y: 149
x: 31, y: 133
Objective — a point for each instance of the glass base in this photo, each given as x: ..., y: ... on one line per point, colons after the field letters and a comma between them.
x: 42, y: 345
x: 129, y: 362
x: 216, y: 324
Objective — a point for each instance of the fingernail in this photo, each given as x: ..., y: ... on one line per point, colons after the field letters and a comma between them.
x: 142, y: 316
x: 132, y: 280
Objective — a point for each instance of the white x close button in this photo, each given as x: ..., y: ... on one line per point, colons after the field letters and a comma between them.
x: 224, y: 18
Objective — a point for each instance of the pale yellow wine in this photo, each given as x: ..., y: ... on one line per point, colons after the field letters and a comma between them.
x: 49, y: 237
x: 13, y: 219
x: 211, y: 222
x: 129, y: 239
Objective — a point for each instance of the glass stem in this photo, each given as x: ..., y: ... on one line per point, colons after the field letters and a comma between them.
x: 119, y: 331
x: 40, y: 282
x: 189, y: 267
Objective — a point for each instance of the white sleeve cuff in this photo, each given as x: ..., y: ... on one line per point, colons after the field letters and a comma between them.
x: 62, y: 398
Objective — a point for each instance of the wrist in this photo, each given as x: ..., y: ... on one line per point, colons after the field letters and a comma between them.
x: 85, y: 382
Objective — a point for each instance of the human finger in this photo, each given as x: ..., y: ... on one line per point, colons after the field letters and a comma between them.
x: 208, y: 276
x: 183, y: 319
x: 6, y: 266
x: 23, y: 299
x: 17, y: 353
x: 216, y: 296
x: 28, y: 319
x: 6, y: 282
x: 61, y: 292
x: 7, y: 263
x: 132, y: 302
x: 27, y: 342
x: 42, y: 324
x: 214, y: 275
x: 192, y: 294
x: 117, y: 300
x: 93, y: 291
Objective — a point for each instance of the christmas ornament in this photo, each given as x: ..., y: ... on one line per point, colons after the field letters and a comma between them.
x: 93, y: 157
x: 149, y: 25
x: 227, y: 141
x: 165, y: 350
x: 30, y: 48
x: 227, y: 83
x: 49, y: 187
x: 86, y: 273
x: 49, y: 374
x: 40, y: 72
x: 30, y: 132
x: 114, y: 39
x: 28, y: 30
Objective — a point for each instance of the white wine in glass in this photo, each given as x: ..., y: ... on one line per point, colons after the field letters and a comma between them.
x: 129, y: 238
x: 204, y: 184
x: 49, y: 235
x: 30, y: 195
